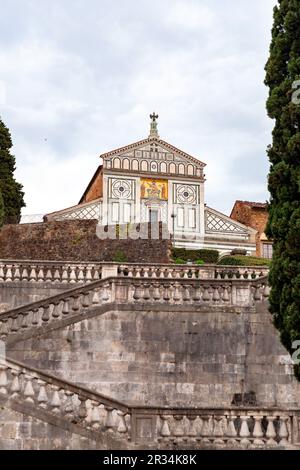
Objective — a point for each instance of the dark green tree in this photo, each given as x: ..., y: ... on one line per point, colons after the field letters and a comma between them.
x: 12, y: 194
x: 1, y: 210
x: 283, y: 105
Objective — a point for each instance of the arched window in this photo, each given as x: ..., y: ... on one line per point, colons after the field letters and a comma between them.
x: 144, y: 166
x: 181, y: 169
x: 172, y: 168
x: 135, y: 165
x: 117, y: 163
x: 126, y: 165
x: 163, y: 167
x: 190, y: 170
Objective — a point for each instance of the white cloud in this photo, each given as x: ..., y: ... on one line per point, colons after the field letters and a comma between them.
x: 79, y: 80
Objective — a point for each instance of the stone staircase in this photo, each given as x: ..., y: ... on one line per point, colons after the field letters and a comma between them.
x: 111, y: 424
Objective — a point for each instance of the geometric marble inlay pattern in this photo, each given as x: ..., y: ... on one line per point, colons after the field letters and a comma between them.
x: 88, y: 211
x: 214, y: 223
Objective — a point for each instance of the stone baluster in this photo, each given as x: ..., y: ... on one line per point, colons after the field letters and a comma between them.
x: 166, y: 293
x: 73, y: 277
x: 85, y: 300
x: 176, y: 293
x: 36, y: 316
x: 186, y: 294
x: 3, y: 380
x: 65, y: 276
x: 28, y: 392
x: 40, y: 275
x: 207, y: 428
x: 218, y: 432
x: 24, y: 274
x: 231, y: 432
x: 4, y: 328
x: 178, y: 430
x: 96, y: 297
x: 271, y: 433
x: 283, y: 431
x: 225, y: 294
x: 95, y: 415
x: 42, y: 398
x: 216, y: 294
x: 165, y: 428
x: 33, y: 276
x: 257, y: 294
x: 258, y: 431
x: 68, y: 407
x: 15, y: 387
x: 57, y: 275
x: 17, y: 274
x: 55, y: 400
x: 156, y: 291
x: 15, y: 324
x: 244, y: 431
x: 136, y: 292
x: 88, y: 274
x: 206, y: 294
x: 196, y: 293
x: 97, y: 273
x: 2, y: 272
x: 75, y: 304
x: 146, y: 292
x: 47, y: 311
x: 110, y: 422
x: 8, y: 273
x: 82, y: 409
x: 80, y: 274
x: 56, y: 311
x: 192, y: 430
x: 49, y: 275
x: 122, y: 428
x: 66, y: 308
x: 26, y: 320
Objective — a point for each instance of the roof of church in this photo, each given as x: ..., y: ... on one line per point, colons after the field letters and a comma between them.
x: 153, y: 139
x: 90, y: 183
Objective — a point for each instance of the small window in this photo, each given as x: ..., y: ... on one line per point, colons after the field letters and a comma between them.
x: 267, y: 250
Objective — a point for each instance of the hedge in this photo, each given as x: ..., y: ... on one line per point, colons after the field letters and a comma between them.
x: 244, y: 261
x: 207, y: 256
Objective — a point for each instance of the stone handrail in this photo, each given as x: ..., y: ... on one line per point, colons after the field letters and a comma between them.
x: 232, y: 427
x: 76, y: 304
x: 201, y: 427
x: 49, y: 271
x: 84, y: 272
x: 65, y: 400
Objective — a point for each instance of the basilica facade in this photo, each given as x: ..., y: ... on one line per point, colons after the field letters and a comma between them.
x: 153, y: 181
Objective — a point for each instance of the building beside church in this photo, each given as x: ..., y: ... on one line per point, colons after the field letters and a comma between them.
x: 154, y: 181
x: 255, y: 215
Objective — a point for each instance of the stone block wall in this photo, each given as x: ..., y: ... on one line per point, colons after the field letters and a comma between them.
x: 170, y: 356
x: 75, y: 240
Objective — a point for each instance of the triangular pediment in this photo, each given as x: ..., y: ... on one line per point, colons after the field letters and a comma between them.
x: 155, y: 149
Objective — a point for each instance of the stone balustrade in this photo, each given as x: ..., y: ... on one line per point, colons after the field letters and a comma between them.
x: 168, y: 428
x: 240, y: 272
x: 53, y: 396
x: 50, y: 271
x: 75, y: 304
x: 71, y: 273
x: 236, y: 427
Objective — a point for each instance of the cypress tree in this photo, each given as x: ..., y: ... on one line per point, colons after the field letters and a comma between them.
x: 11, y: 190
x: 283, y: 105
x: 1, y: 210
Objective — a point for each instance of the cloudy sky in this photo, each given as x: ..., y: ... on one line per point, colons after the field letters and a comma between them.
x: 80, y: 77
